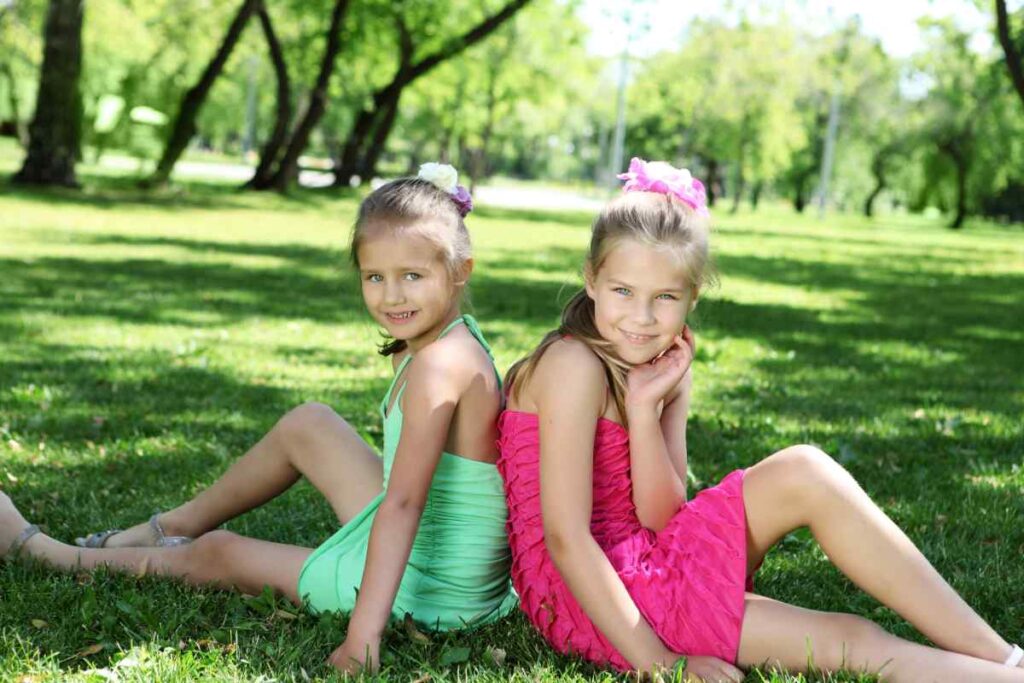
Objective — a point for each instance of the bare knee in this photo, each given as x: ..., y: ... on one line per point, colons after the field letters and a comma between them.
x: 210, y: 554
x: 807, y: 472
x: 305, y: 419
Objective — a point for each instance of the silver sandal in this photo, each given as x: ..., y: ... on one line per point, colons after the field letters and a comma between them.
x: 1015, y: 658
x: 19, y: 542
x: 99, y: 539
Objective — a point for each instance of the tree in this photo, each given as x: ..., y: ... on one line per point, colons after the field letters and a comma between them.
x: 725, y: 100
x: 287, y: 168
x: 54, y: 135
x: 19, y: 61
x: 184, y: 126
x: 271, y: 150
x: 1011, y: 49
x: 969, y: 122
x: 373, y: 124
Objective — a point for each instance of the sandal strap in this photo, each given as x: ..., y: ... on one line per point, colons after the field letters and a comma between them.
x: 96, y: 539
x: 162, y: 539
x: 1015, y: 658
x: 18, y: 543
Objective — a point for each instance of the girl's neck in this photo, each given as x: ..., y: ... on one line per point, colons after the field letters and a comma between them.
x: 414, y: 345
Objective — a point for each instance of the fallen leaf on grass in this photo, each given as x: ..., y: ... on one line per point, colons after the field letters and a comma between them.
x: 13, y: 479
x: 39, y: 623
x: 496, y: 655
x: 13, y: 445
x: 422, y: 679
x: 413, y: 632
x: 282, y: 614
x: 91, y: 650
x: 207, y: 644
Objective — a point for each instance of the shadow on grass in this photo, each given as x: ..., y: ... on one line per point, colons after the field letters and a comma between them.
x: 940, y: 344
x: 117, y: 192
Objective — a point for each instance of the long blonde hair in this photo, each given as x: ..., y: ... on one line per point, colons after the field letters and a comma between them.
x: 653, y: 219
x: 414, y: 203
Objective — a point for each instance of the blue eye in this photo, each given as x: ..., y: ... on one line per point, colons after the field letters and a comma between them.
x: 668, y: 297
x: 374, y: 277
x: 413, y: 276
x: 622, y: 290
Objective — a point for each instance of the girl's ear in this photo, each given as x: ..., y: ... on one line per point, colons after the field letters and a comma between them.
x: 695, y: 294
x: 588, y: 280
x: 463, y: 272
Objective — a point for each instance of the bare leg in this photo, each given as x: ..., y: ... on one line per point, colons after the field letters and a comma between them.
x: 779, y: 635
x: 219, y: 558
x: 801, y: 486
x: 311, y: 441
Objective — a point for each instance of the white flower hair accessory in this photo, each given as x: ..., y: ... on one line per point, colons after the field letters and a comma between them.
x: 446, y: 178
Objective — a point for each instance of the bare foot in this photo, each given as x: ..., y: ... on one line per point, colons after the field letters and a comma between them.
x: 11, y: 523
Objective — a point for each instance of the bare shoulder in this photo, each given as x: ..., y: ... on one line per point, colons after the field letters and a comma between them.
x: 457, y: 357
x: 568, y: 370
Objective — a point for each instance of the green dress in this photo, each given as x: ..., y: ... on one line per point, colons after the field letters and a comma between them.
x: 458, y: 571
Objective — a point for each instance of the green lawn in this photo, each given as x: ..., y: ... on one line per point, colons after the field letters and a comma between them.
x: 146, y: 342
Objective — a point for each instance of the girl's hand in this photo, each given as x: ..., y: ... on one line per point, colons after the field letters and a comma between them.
x: 356, y: 655
x: 709, y: 670
x: 649, y: 384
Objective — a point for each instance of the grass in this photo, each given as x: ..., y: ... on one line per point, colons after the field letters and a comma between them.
x: 147, y: 340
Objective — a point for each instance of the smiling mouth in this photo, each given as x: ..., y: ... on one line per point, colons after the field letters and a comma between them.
x: 400, y: 317
x: 638, y: 338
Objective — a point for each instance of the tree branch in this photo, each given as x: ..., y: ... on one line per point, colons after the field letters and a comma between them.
x: 1013, y: 58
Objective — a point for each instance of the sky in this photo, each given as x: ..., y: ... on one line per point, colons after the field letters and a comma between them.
x: 894, y: 22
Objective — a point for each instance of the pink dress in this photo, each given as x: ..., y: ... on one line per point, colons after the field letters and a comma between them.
x: 688, y: 580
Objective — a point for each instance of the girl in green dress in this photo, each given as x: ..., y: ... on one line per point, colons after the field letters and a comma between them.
x: 422, y: 524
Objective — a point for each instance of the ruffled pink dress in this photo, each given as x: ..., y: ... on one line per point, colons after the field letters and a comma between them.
x: 688, y: 580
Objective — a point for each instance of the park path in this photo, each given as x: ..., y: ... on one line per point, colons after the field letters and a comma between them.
x: 503, y: 196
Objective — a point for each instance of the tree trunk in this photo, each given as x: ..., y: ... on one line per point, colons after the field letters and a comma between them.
x: 712, y: 180
x: 272, y: 148
x: 54, y: 135
x: 288, y: 168
x: 347, y: 163
x: 20, y: 130
x: 185, y: 122
x: 961, y: 193
x: 755, y: 194
x: 375, y: 148
x: 869, y: 203
x: 356, y: 157
x: 1012, y: 56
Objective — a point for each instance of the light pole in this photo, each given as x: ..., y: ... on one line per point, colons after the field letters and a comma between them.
x: 635, y: 26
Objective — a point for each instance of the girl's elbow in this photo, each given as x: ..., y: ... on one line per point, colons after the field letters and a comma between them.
x: 652, y: 522
x: 560, y: 541
x: 402, y: 505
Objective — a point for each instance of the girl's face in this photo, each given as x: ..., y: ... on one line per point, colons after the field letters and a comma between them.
x: 641, y: 297
x: 406, y: 285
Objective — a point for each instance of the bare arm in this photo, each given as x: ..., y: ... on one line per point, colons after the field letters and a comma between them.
x: 568, y: 393
x: 432, y: 393
x: 673, y: 426
x: 656, y: 470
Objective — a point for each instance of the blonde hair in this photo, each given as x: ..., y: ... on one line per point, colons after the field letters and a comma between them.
x: 419, y: 206
x: 653, y: 219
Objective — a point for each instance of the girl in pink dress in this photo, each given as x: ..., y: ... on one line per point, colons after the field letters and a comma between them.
x: 610, y: 559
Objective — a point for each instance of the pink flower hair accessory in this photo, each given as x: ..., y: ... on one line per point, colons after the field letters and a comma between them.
x: 664, y: 178
x: 446, y: 178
